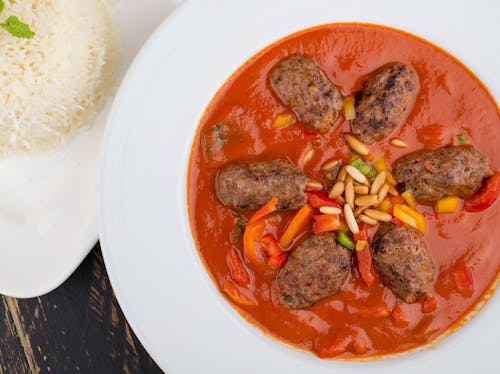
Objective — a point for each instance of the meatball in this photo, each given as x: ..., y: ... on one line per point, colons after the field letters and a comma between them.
x: 249, y: 185
x: 385, y: 102
x: 316, y: 269
x: 447, y: 171
x: 302, y: 86
x: 401, y: 258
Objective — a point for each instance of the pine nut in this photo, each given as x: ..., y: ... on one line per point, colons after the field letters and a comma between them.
x: 378, y: 215
x: 307, y: 157
x: 328, y: 175
x: 337, y: 190
x: 341, y: 176
x: 382, y: 194
x: 366, y: 200
x: 350, y: 220
x: 313, y: 185
x: 349, y: 194
x: 330, y: 210
x: 359, y: 210
x: 330, y: 165
x: 361, y: 190
x: 356, y: 174
x: 349, y: 108
x: 356, y: 145
x: 396, y: 142
x: 364, y: 218
x: 378, y: 182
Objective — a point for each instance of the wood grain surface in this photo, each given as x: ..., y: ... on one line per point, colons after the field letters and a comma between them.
x: 78, y: 328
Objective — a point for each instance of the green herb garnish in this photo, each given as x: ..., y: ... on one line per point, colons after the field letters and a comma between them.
x: 462, y: 139
x: 364, y: 167
x: 17, y: 28
x: 2, y: 5
x: 345, y: 240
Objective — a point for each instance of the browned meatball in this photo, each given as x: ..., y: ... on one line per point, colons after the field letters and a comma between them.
x: 302, y: 86
x: 385, y: 102
x: 316, y: 269
x: 447, y: 171
x: 400, y: 257
x: 249, y: 185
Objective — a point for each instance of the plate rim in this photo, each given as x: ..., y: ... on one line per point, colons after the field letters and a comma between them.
x: 150, y: 45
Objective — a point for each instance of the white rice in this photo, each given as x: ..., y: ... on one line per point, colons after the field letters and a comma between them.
x: 51, y: 86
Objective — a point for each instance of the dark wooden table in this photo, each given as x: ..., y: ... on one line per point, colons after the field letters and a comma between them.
x: 78, y: 328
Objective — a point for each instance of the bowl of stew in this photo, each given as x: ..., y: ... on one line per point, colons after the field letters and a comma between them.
x: 337, y: 183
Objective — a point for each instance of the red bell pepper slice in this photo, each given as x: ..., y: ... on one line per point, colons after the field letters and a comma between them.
x: 309, y: 133
x: 485, y: 196
x: 326, y: 223
x: 238, y: 272
x: 364, y: 257
x: 398, y: 316
x: 464, y: 280
x: 397, y: 221
x: 429, y: 304
x: 318, y: 199
x: 277, y: 261
x: 270, y: 245
x: 268, y: 208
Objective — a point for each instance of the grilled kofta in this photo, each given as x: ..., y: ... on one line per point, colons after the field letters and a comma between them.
x: 447, y: 171
x: 400, y: 256
x: 316, y: 269
x: 249, y: 185
x: 302, y: 86
x: 385, y: 102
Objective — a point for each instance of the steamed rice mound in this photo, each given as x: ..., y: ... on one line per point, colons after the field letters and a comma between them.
x: 51, y: 86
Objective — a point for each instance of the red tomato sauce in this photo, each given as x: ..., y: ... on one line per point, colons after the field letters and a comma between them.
x: 451, y: 101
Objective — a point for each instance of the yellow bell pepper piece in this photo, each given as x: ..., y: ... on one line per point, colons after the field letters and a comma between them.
x: 410, y: 198
x: 385, y: 205
x: 447, y: 205
x: 379, y: 165
x: 403, y: 216
x: 419, y: 218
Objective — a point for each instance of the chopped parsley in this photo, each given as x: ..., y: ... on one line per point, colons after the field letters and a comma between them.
x: 15, y: 27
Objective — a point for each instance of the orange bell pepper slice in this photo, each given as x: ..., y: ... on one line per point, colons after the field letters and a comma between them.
x: 232, y: 291
x: 252, y: 232
x: 268, y: 208
x: 298, y: 222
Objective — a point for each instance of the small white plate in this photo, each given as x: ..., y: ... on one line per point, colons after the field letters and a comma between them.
x: 48, y: 208
x: 159, y: 280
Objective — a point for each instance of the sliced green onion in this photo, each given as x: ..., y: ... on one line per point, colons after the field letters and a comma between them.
x: 345, y: 240
x: 364, y: 167
x: 462, y: 139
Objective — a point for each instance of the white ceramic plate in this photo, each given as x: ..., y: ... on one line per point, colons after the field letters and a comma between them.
x: 48, y: 219
x: 156, y: 273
